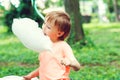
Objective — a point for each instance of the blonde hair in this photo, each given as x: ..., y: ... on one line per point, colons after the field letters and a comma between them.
x: 61, y: 20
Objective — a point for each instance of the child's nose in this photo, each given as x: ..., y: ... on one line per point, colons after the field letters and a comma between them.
x: 43, y: 28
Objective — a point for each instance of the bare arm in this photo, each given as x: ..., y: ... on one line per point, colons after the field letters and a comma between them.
x: 72, y: 63
x: 33, y: 74
x: 70, y: 59
x: 75, y: 65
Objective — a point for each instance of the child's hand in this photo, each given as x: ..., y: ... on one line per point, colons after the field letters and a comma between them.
x: 66, y: 62
x: 26, y: 78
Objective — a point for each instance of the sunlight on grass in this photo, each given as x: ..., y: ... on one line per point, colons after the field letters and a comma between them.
x: 8, y: 40
x: 115, y: 30
x: 101, y: 25
x: 3, y: 29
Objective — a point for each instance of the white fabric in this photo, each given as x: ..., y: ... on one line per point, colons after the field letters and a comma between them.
x: 13, y: 77
x: 29, y: 33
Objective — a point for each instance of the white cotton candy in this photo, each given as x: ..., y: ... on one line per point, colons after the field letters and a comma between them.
x: 13, y: 77
x: 29, y: 33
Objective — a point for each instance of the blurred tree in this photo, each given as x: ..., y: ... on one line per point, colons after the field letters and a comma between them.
x: 25, y: 9
x: 114, y: 7
x: 117, y: 10
x: 56, y: 3
x: 77, y: 33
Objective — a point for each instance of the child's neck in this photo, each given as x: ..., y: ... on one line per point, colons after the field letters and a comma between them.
x: 57, y: 41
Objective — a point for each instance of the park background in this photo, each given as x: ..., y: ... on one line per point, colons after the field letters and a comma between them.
x: 94, y: 37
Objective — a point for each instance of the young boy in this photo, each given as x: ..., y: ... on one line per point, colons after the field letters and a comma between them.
x: 57, y: 27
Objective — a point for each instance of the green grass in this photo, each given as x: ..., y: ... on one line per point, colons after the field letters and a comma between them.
x: 100, y: 58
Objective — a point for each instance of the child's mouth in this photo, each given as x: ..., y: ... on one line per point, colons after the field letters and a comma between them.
x: 45, y: 34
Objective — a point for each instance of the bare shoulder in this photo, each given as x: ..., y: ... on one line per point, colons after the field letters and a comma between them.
x: 64, y: 44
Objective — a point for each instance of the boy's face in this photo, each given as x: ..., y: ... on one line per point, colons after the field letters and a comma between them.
x: 51, y: 31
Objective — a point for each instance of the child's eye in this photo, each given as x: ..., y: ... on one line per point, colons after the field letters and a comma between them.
x: 48, y: 27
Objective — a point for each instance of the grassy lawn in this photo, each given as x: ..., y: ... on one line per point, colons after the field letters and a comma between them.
x: 100, y: 58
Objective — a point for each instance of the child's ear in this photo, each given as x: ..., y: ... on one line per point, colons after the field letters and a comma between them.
x: 60, y: 33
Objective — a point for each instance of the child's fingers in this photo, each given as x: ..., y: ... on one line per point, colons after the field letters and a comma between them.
x: 65, y: 61
x: 26, y: 78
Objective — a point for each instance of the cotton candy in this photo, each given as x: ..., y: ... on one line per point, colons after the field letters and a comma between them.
x: 31, y: 35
